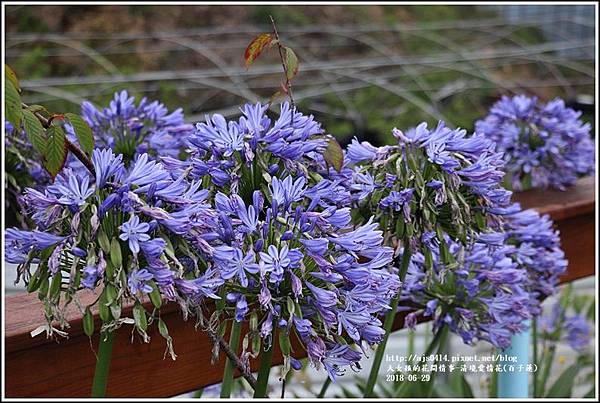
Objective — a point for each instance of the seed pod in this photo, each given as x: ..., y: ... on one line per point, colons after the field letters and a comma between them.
x: 290, y: 305
x: 104, y: 242
x: 111, y: 293
x: 155, y: 295
x: 115, y: 309
x: 55, y: 285
x: 162, y: 328
x: 88, y: 322
x: 253, y: 321
x: 284, y: 343
x: 115, y: 253
x: 104, y: 311
x: 139, y: 316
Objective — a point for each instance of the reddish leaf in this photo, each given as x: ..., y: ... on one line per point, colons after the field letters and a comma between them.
x: 256, y: 46
x: 57, y: 120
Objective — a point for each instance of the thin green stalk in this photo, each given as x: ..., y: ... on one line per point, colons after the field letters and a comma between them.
x: 438, y: 338
x: 535, y: 355
x: 389, y: 321
x: 198, y: 394
x: 547, y: 366
x: 411, y: 342
x: 493, y: 389
x: 234, y: 340
x: 324, y: 388
x: 102, y: 364
x: 263, y: 373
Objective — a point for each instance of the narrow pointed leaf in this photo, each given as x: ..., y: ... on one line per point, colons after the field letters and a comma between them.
x: 55, y: 153
x: 82, y: 131
x: 35, y: 131
x: 256, y: 46
x: 11, y: 76
x: 12, y: 104
x: 334, y: 154
x: 291, y: 62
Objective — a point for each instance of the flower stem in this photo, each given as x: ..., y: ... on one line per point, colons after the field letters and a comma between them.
x: 324, y: 388
x: 234, y: 340
x: 102, y: 364
x: 389, y: 321
x: 263, y: 373
x: 535, y: 355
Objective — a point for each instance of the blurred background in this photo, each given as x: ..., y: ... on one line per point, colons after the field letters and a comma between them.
x: 363, y: 71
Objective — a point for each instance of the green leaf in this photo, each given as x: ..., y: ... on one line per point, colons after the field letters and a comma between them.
x: 291, y: 63
x: 11, y: 76
x: 37, y: 109
x: 55, y: 154
x: 564, y: 384
x: 82, y: 131
x: 334, y: 155
x: 88, y: 322
x: 12, y: 104
x: 256, y: 46
x: 35, y: 131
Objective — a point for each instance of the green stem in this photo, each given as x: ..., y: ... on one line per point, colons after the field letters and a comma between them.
x: 547, y: 366
x: 263, y: 373
x: 198, y: 394
x: 324, y: 388
x: 411, y: 342
x: 493, y: 389
x: 535, y: 355
x: 102, y: 365
x: 234, y: 340
x: 389, y: 321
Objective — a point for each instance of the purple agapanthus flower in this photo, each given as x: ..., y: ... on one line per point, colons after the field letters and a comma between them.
x: 147, y: 125
x: 134, y: 232
x: 544, y: 145
x: 137, y: 281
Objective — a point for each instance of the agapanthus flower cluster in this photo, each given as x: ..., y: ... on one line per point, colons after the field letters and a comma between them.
x: 131, y: 128
x: 480, y: 293
x: 433, y: 181
x: 544, y: 145
x: 296, y: 266
x: 573, y: 328
x: 305, y: 271
x: 124, y: 234
x: 234, y: 153
x: 537, y: 251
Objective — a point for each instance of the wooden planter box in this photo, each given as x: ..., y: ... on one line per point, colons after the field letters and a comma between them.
x: 39, y: 367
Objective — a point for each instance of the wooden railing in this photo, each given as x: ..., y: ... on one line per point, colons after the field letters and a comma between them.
x: 40, y: 367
